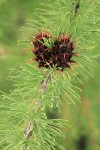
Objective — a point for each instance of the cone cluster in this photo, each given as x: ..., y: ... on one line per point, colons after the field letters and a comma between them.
x: 59, y: 55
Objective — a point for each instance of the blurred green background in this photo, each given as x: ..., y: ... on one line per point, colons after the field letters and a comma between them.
x: 85, y: 117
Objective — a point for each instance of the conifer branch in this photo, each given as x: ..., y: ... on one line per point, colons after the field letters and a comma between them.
x: 57, y: 50
x: 76, y: 6
x: 29, y: 129
x: 45, y: 82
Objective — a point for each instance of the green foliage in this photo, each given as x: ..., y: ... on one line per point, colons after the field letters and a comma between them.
x: 19, y: 109
x: 57, y: 18
x: 24, y: 124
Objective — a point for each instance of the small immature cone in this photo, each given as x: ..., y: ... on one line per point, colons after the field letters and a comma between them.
x: 59, y: 55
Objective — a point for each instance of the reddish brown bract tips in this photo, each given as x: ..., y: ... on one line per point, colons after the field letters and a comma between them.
x: 59, y: 55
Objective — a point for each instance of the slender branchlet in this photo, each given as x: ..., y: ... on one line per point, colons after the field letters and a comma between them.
x: 29, y: 130
x: 76, y: 6
x: 63, y: 43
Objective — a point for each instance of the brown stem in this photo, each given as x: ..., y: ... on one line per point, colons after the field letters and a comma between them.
x: 29, y: 129
x: 76, y: 6
x: 44, y: 83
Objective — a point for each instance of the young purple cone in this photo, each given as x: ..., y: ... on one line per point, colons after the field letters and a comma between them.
x: 59, y: 55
